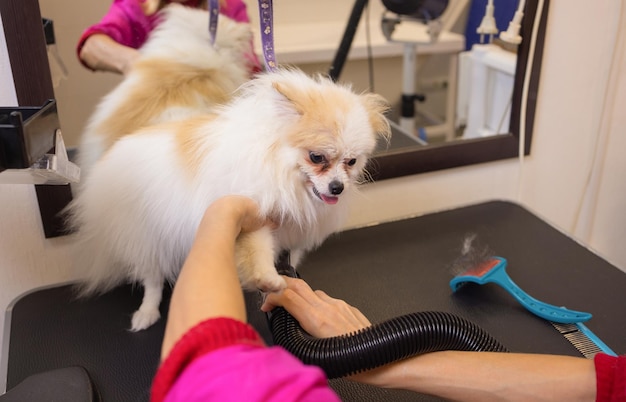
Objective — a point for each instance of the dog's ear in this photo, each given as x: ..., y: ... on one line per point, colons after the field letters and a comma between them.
x: 377, y: 107
x: 293, y: 95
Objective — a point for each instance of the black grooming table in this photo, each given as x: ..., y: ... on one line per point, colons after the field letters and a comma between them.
x: 385, y: 270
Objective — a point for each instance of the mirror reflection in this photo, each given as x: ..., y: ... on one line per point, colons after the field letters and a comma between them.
x: 458, y: 68
x: 480, y: 66
x: 455, y: 93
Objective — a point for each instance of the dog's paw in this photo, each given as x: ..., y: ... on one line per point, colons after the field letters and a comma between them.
x: 270, y: 283
x: 142, y: 319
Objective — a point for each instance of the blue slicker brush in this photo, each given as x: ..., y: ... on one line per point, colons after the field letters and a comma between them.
x: 568, y: 322
x: 493, y: 270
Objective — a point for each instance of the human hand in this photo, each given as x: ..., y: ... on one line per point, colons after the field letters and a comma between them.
x: 323, y: 316
x: 235, y: 212
x: 319, y: 314
x: 149, y: 7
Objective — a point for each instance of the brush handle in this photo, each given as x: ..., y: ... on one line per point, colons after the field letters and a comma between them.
x: 539, y: 308
x: 496, y: 273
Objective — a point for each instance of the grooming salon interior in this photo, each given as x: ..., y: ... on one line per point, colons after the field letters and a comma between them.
x: 507, y: 120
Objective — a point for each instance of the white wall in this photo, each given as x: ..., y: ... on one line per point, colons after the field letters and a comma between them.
x: 581, y: 102
x: 574, y: 176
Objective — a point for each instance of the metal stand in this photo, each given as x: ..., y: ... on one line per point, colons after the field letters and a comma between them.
x: 346, y: 42
x: 412, y: 33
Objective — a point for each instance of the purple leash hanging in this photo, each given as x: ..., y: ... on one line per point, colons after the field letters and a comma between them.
x: 266, y: 14
x: 266, y: 19
x: 214, y: 11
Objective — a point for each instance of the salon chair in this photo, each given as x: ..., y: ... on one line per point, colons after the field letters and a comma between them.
x: 386, y: 270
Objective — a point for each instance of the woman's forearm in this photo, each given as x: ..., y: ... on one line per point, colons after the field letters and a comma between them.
x: 102, y: 53
x: 488, y: 376
x: 205, y: 288
x: 208, y: 285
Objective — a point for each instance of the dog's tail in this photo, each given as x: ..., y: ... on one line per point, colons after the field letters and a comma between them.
x: 96, y: 271
x: 92, y: 265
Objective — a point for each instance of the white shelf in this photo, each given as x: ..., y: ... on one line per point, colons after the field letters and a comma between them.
x: 318, y: 42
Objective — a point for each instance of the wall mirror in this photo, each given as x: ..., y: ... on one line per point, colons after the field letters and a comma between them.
x: 27, y: 53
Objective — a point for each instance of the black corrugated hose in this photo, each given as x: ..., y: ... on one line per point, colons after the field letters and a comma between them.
x: 392, y: 340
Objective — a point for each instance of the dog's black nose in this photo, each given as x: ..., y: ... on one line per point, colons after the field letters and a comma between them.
x: 335, y: 187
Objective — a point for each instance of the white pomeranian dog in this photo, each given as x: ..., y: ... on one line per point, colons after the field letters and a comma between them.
x: 297, y: 145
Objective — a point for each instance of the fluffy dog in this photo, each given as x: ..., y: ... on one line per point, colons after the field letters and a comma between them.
x: 297, y: 145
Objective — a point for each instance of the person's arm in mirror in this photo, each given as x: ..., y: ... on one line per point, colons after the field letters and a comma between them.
x: 459, y: 376
x: 101, y: 53
x: 112, y: 43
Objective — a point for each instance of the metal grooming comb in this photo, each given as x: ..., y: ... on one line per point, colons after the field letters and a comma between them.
x: 585, y: 341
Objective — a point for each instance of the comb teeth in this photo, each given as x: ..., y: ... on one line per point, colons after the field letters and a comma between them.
x: 581, y: 342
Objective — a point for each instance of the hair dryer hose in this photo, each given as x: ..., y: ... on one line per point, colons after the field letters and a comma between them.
x: 380, y: 344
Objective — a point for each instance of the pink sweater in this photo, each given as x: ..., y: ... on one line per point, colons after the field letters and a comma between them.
x: 126, y: 23
x: 223, y: 359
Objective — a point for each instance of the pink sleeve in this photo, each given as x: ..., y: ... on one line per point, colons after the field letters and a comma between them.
x: 226, y: 359
x: 251, y: 373
x: 236, y: 10
x: 125, y: 23
x: 610, y: 377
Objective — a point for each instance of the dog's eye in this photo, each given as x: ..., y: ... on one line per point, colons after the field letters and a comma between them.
x: 316, y: 158
x: 351, y: 162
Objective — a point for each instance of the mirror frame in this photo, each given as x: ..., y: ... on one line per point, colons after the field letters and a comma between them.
x: 421, y: 159
x: 23, y: 28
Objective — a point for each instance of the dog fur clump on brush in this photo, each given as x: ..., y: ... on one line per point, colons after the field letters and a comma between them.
x: 297, y: 145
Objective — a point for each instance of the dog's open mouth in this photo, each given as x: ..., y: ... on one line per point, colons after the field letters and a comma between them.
x: 326, y: 198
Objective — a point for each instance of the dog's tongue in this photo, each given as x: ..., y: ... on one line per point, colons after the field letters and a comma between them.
x: 329, y: 200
